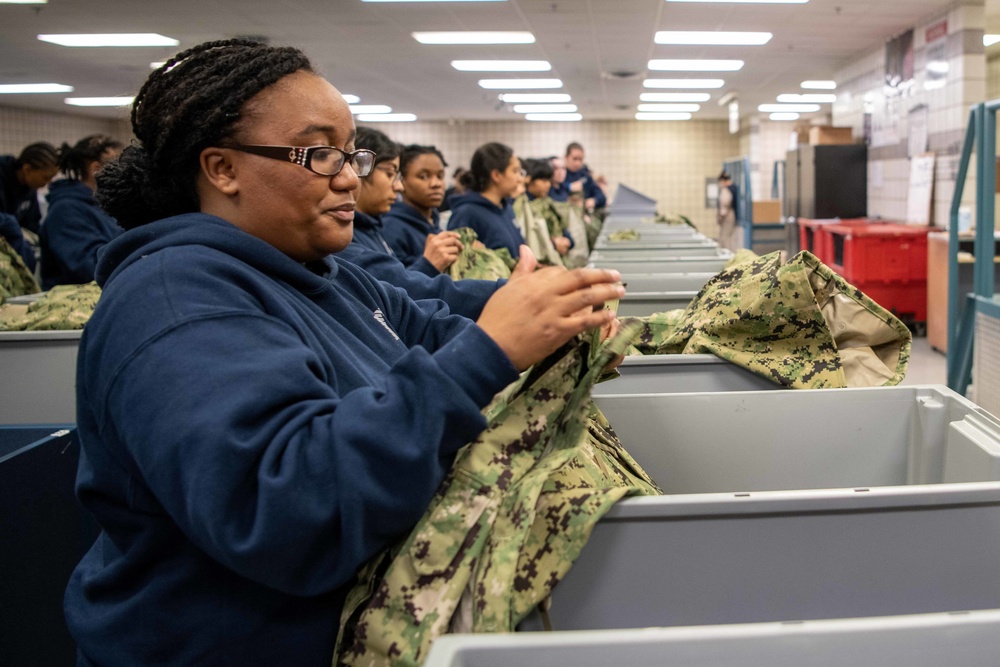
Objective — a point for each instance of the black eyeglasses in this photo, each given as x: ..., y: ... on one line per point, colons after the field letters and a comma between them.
x: 322, y: 160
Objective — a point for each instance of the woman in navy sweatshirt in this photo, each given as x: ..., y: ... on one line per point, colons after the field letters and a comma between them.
x: 411, y: 225
x: 493, y: 177
x: 20, y: 179
x: 258, y: 418
x: 76, y: 227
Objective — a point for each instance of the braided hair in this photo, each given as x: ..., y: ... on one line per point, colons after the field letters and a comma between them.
x: 190, y: 103
x: 74, y: 160
x: 38, y: 155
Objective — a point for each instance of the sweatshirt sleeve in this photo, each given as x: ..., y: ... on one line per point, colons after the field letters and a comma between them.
x: 424, y: 266
x: 266, y: 467
x: 11, y: 230
x: 74, y: 236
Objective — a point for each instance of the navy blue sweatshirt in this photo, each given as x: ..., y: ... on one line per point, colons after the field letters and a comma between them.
x: 12, y: 196
x: 591, y: 190
x: 464, y: 297
x: 75, y: 228
x: 494, y: 225
x: 406, y: 230
x: 369, y: 231
x: 252, y: 431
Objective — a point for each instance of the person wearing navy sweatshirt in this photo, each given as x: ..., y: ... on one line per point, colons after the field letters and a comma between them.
x: 578, y: 179
x: 257, y: 418
x: 76, y: 228
x: 20, y: 178
x: 494, y: 175
x: 411, y: 225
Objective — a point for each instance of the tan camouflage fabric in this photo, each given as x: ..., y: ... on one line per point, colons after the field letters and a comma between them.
x: 506, y: 524
x: 478, y: 262
x: 799, y: 325
x: 573, y: 218
x: 62, y: 307
x: 15, y: 278
x: 543, y: 208
x: 673, y: 219
x: 624, y: 235
x: 536, y: 232
x: 742, y: 256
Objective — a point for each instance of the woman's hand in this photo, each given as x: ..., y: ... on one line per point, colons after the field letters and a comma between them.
x: 442, y: 249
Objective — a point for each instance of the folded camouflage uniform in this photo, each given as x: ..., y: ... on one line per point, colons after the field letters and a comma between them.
x: 799, y: 325
x: 742, y: 256
x: 15, y: 278
x: 480, y: 262
x: 62, y: 307
x: 507, y: 522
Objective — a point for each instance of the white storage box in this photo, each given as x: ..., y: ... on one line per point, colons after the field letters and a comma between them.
x: 790, y: 505
x: 39, y: 376
x: 970, y: 639
x: 681, y: 373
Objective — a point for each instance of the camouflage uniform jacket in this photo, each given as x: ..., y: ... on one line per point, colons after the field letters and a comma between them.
x: 799, y: 325
x: 505, y: 525
x: 480, y: 263
x: 624, y: 235
x: 573, y: 219
x: 536, y: 232
x: 62, y: 307
x: 15, y: 278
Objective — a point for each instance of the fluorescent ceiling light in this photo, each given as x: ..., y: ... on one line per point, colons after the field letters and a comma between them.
x: 369, y: 108
x: 544, y: 108
x: 938, y: 66
x: 520, y: 84
x: 675, y: 97
x: 809, y: 98
x: 697, y: 65
x: 683, y: 83
x: 111, y: 39
x: 792, y: 108
x: 785, y: 115
x: 755, y: 2
x: 645, y: 115
x: 23, y: 2
x: 712, y: 37
x: 553, y: 116
x: 26, y: 88
x: 475, y: 37
x: 501, y: 65
x: 386, y: 117
x: 157, y: 64
x: 990, y: 40
x: 433, y: 0
x: 819, y: 85
x: 350, y: 99
x: 99, y: 101
x: 535, y: 98
x: 668, y: 107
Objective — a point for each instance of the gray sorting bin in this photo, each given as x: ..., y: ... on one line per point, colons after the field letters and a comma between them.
x: 712, y: 264
x: 649, y: 293
x: 681, y: 373
x: 694, y: 251
x: 657, y: 246
x: 967, y: 639
x: 792, y: 505
x: 649, y: 233
x: 39, y: 376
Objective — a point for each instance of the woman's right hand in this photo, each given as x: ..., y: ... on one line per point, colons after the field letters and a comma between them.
x: 442, y: 249
x: 532, y: 316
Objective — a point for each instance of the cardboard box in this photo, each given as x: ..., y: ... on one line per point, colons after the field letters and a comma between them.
x: 766, y: 211
x: 824, y: 135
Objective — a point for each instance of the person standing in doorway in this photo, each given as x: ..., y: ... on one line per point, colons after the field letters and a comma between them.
x: 728, y: 231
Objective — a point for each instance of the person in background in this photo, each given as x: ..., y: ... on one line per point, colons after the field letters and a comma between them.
x: 493, y: 178
x: 578, y: 179
x: 411, y: 225
x: 456, y: 189
x: 539, y: 184
x: 257, y: 417
x: 726, y: 214
x: 76, y: 228
x: 20, y: 179
x: 559, y: 190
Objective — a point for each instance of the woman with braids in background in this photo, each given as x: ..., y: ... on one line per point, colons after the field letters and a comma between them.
x: 20, y: 179
x: 256, y: 418
x: 76, y: 227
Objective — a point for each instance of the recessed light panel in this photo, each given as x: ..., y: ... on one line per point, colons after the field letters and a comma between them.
x: 789, y: 108
x: 819, y: 85
x: 672, y: 108
x: 520, y: 84
x: 645, y: 115
x: 474, y: 37
x: 369, y: 109
x: 350, y: 99
x: 745, y: 2
x: 30, y: 88
x: 386, y: 117
x: 683, y: 83
x: 554, y: 116
x: 433, y: 0
x: 536, y: 98
x: 501, y: 65
x: 545, y: 108
x: 99, y: 101
x: 110, y: 39
x: 697, y: 65
x: 808, y: 98
x: 990, y: 40
x: 23, y: 2
x: 719, y: 38
x: 784, y: 116
x: 675, y: 97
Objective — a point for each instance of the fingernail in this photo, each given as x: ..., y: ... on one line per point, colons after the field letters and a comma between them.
x: 615, y: 275
x: 620, y: 290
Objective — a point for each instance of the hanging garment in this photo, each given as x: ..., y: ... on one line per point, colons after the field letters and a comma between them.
x: 799, y: 325
x: 15, y: 278
x: 573, y: 221
x: 536, y: 232
x: 62, y: 307
x: 479, y: 262
x: 506, y: 524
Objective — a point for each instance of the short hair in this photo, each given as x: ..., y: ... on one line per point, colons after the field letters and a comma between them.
x: 195, y: 100
x: 573, y: 146
x: 413, y: 151
x: 486, y: 158
x: 38, y: 155
x: 539, y: 169
x: 378, y: 142
x: 73, y: 160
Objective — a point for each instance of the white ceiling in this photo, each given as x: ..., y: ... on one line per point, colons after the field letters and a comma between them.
x: 366, y: 48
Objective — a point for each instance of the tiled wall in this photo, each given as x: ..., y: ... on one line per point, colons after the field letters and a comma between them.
x: 993, y: 77
x: 20, y: 127
x: 668, y: 161
x: 861, y: 88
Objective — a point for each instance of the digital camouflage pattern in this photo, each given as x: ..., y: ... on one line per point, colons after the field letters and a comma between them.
x: 536, y: 232
x: 15, y: 278
x: 799, y: 325
x: 543, y: 209
x: 506, y: 524
x: 742, y: 256
x: 479, y: 262
x: 573, y: 220
x: 62, y: 307
x: 674, y: 219
x: 624, y: 235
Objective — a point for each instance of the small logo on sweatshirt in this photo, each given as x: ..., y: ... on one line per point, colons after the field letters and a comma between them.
x: 380, y: 318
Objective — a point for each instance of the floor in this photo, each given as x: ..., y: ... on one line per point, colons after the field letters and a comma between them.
x: 927, y: 365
